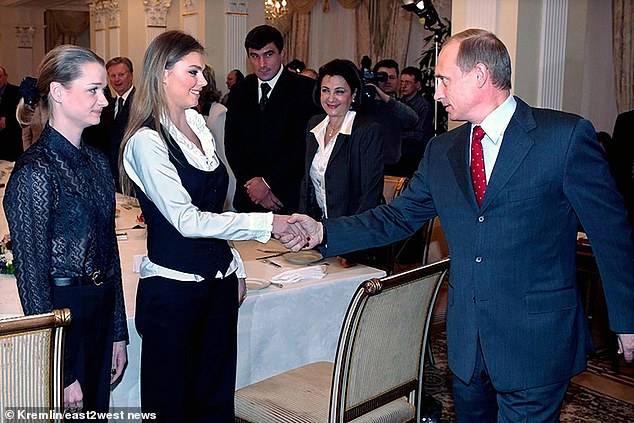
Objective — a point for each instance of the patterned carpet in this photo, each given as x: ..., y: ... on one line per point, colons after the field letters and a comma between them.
x: 601, y: 365
x: 581, y: 405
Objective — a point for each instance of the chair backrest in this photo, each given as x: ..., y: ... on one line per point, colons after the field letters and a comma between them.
x: 380, y: 356
x: 31, y: 361
x: 393, y: 186
x: 435, y: 248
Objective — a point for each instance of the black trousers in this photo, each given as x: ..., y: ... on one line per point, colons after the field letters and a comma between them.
x: 88, y: 347
x: 188, y: 350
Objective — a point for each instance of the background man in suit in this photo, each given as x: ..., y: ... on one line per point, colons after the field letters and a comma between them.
x: 516, y: 329
x: 621, y: 158
x: 414, y: 139
x: 10, y: 131
x: 108, y: 134
x: 233, y: 77
x: 265, y: 128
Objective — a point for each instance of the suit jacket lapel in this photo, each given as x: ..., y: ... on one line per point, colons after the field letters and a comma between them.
x: 458, y: 159
x: 515, y: 146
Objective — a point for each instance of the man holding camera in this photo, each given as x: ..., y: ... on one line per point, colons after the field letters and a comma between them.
x: 384, y: 108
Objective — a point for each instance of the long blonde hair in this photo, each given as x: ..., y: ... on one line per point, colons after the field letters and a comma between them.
x: 149, y: 99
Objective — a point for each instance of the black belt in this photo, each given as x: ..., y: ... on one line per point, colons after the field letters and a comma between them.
x: 95, y: 278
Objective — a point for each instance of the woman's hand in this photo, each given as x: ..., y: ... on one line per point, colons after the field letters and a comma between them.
x: 242, y: 291
x: 119, y: 358
x: 73, y: 397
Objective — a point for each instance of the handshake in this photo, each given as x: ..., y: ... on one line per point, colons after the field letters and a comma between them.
x: 298, y: 231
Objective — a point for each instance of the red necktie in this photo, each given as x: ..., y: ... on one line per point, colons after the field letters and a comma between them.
x: 478, y: 176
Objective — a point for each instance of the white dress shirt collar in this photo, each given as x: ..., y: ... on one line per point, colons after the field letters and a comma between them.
x: 496, y: 122
x: 271, y: 82
x: 126, y: 94
x: 494, y: 126
x: 346, y: 127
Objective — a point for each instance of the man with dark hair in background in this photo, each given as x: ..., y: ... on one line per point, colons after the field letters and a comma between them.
x: 233, y: 77
x: 414, y: 139
x: 10, y: 131
x: 393, y: 115
x: 265, y: 130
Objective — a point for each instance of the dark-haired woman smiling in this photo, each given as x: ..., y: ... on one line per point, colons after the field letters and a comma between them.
x: 344, y: 158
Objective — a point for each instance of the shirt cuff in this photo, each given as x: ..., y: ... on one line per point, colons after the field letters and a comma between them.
x: 261, y: 223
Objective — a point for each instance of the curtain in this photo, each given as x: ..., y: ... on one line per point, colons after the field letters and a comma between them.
x: 63, y: 27
x: 383, y: 29
x: 296, y: 25
x: 623, y: 35
x: 297, y: 37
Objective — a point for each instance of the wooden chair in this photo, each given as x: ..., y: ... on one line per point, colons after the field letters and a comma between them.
x: 377, y: 375
x: 31, y: 361
x: 393, y: 186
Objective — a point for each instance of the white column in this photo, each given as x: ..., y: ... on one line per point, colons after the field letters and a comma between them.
x: 552, y: 54
x: 156, y: 17
x: 114, y: 29
x: 481, y: 14
x: 190, y: 18
x: 237, y: 13
x: 98, y: 23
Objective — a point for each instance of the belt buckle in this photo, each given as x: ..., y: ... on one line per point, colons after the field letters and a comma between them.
x: 96, y: 277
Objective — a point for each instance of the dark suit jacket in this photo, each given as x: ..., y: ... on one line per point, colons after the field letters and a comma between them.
x: 107, y: 136
x: 354, y: 176
x: 269, y: 143
x: 513, y: 275
x: 11, y: 135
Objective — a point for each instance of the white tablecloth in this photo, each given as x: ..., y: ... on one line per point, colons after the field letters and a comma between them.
x: 278, y: 328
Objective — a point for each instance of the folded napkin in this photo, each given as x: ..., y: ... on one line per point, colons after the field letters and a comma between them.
x: 303, y: 273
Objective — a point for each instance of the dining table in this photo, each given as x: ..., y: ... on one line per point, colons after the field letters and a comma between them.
x: 280, y: 327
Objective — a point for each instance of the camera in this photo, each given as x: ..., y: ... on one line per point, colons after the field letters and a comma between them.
x: 368, y: 76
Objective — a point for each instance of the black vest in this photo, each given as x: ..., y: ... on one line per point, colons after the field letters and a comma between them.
x: 166, y: 246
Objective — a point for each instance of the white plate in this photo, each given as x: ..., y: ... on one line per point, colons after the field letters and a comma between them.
x: 303, y: 257
x: 253, y: 284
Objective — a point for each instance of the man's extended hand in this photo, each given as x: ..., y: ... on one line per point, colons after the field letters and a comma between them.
x: 626, y: 346
x: 282, y: 229
x: 312, y: 229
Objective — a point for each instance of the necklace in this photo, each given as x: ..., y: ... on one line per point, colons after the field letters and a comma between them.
x: 331, y: 131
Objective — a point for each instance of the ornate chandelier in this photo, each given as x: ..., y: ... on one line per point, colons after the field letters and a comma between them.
x: 275, y: 9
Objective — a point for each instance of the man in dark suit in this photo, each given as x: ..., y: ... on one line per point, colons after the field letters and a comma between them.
x: 265, y: 128
x: 107, y: 136
x: 509, y: 187
x: 10, y: 132
x: 621, y: 158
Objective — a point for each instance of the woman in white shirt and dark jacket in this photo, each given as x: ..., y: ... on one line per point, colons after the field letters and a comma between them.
x: 344, y: 158
x: 191, y: 282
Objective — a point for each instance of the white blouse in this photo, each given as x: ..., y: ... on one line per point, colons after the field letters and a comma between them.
x: 322, y: 156
x: 146, y: 161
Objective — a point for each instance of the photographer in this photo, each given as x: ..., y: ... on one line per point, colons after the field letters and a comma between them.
x: 392, y: 115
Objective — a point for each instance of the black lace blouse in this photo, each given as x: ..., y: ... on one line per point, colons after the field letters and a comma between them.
x: 59, y: 204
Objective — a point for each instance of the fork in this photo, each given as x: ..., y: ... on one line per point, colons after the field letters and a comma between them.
x: 267, y: 261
